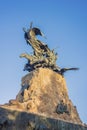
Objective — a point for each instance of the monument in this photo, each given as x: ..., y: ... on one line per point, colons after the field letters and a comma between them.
x: 42, y: 102
x: 42, y: 55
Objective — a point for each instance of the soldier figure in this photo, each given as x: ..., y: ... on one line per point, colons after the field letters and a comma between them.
x: 42, y: 55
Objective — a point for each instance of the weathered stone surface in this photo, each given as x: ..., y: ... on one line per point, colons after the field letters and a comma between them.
x: 42, y: 90
x: 41, y: 104
x: 20, y: 120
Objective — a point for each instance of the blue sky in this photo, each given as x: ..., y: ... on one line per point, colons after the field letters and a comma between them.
x: 64, y: 22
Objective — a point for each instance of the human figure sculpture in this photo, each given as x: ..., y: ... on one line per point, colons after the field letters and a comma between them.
x: 42, y: 55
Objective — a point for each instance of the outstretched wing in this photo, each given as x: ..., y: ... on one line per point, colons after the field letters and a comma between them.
x: 72, y: 68
x: 66, y: 69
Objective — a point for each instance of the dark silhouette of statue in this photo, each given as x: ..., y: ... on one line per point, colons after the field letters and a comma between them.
x: 42, y: 55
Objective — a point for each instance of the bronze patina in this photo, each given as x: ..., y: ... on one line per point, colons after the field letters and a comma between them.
x: 42, y: 56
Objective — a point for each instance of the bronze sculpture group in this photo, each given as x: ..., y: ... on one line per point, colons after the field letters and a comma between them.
x: 42, y: 55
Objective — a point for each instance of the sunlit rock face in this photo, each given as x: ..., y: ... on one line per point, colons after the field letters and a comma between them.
x: 45, y: 92
x: 42, y: 103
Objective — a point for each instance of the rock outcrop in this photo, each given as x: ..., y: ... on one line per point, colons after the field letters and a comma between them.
x: 42, y: 103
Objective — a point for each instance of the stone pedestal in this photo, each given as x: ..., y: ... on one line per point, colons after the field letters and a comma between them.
x: 41, y: 104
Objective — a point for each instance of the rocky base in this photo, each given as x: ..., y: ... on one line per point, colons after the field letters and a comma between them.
x: 41, y: 104
x: 44, y: 92
x: 20, y: 120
